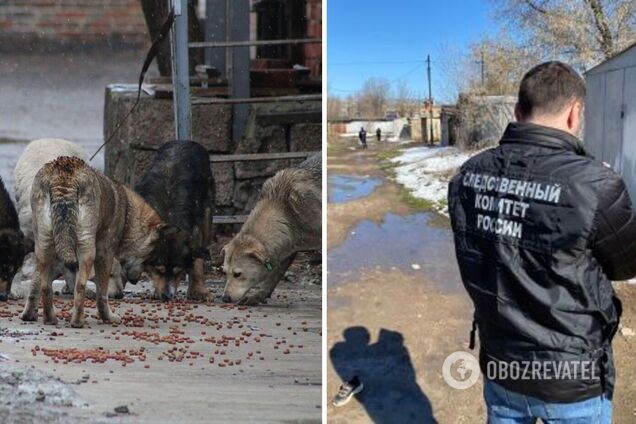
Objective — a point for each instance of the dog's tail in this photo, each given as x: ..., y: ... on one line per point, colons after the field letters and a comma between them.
x: 64, y: 200
x: 64, y: 213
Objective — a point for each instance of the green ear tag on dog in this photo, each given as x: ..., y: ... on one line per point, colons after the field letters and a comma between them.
x: 269, y: 266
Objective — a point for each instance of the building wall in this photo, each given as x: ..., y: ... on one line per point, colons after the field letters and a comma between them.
x: 313, y: 52
x: 610, y: 115
x: 70, y: 20
x: 237, y: 184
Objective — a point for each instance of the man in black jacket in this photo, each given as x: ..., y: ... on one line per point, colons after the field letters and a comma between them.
x: 540, y: 230
x: 362, y: 135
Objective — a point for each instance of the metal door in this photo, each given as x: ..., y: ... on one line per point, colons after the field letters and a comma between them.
x: 629, y: 131
x: 613, y: 122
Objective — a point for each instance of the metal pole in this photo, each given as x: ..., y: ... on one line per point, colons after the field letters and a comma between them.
x: 430, y: 98
x: 239, y: 27
x: 180, y: 71
x: 220, y: 44
x: 293, y: 98
x: 483, y: 80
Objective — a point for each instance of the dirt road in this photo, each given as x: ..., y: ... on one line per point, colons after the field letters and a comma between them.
x: 397, y: 307
x: 176, y: 362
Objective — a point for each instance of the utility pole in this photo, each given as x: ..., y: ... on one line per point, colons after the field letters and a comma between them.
x: 430, y: 98
x: 482, y: 65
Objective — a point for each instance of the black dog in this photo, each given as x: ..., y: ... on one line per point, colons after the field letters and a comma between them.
x: 12, y: 243
x: 179, y: 186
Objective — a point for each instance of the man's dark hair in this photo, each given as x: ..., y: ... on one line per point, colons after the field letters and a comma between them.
x: 548, y: 88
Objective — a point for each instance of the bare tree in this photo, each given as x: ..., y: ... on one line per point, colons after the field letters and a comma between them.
x: 405, y: 103
x: 586, y: 31
x: 373, y: 97
x: 497, y: 66
x: 334, y: 107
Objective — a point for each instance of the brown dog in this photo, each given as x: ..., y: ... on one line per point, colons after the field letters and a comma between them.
x: 83, y: 219
x: 286, y: 220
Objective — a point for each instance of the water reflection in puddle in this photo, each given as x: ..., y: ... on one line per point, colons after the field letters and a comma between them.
x: 345, y: 188
x: 397, y: 242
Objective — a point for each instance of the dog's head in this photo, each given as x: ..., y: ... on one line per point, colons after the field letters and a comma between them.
x: 172, y: 257
x: 246, y: 266
x: 12, y: 252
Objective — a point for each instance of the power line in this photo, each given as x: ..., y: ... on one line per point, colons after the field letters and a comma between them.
x: 384, y: 62
x: 421, y: 63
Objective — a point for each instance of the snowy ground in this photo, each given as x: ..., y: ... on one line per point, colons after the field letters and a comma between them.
x: 425, y: 171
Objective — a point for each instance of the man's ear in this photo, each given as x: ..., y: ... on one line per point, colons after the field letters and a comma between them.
x: 575, y: 116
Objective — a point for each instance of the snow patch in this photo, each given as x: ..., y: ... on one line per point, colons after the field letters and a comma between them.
x: 426, y: 171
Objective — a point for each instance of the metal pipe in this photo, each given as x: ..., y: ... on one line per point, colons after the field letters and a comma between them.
x: 215, y: 100
x: 250, y: 157
x: 180, y: 71
x: 220, y: 44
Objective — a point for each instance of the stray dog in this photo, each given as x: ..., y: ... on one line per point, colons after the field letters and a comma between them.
x: 179, y: 187
x: 12, y: 243
x: 286, y: 220
x: 36, y: 154
x: 81, y: 220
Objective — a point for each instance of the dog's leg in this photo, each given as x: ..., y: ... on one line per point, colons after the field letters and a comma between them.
x: 46, y: 285
x: 30, y: 312
x: 103, y: 268
x: 196, y: 285
x: 116, y: 283
x: 85, y: 268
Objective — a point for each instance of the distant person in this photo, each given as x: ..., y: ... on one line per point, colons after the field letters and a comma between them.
x: 362, y: 135
x: 540, y: 230
x: 378, y: 134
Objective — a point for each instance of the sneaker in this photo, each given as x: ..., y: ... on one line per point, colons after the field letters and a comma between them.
x: 347, y: 391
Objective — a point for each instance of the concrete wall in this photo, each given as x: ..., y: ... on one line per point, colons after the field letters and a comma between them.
x: 387, y: 127
x: 610, y: 115
x: 237, y: 184
x: 70, y: 20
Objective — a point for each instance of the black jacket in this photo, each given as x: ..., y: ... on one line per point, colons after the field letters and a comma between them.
x: 540, y: 230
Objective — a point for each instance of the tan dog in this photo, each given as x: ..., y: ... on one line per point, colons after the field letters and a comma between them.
x: 286, y: 220
x: 36, y: 154
x: 83, y: 219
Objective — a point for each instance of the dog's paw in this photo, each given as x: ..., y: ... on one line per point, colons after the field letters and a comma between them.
x: 50, y: 321
x: 254, y: 299
x: 113, y: 319
x: 66, y: 290
x: 90, y: 294
x: 77, y: 321
x: 29, y: 315
x: 115, y: 294
x: 202, y: 295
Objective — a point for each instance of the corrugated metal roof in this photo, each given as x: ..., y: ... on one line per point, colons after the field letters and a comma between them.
x: 608, y: 62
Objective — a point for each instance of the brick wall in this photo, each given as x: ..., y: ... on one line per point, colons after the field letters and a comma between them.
x: 71, y: 20
x: 313, y: 52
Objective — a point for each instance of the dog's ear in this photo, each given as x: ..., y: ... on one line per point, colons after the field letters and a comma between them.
x: 256, y: 249
x: 225, y: 254
x: 168, y: 230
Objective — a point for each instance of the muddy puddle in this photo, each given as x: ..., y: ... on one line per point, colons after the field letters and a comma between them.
x: 345, y: 188
x: 414, y: 244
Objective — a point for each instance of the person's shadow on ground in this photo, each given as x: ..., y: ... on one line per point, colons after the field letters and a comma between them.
x: 391, y: 393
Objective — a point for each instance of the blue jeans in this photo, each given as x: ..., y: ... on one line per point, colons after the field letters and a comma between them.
x: 508, y: 407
